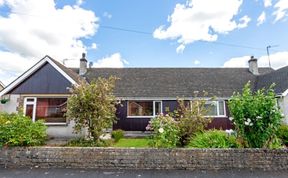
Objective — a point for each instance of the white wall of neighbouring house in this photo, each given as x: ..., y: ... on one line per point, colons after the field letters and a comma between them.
x: 12, y: 105
x: 283, y: 104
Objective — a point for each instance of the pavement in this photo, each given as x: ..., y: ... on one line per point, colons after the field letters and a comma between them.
x: 89, y: 173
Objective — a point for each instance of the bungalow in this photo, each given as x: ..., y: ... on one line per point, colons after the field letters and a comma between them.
x: 1, y: 86
x: 42, y: 91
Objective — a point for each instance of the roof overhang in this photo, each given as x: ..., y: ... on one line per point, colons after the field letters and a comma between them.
x: 284, y: 93
x: 2, y: 84
x: 169, y: 98
x: 33, y: 69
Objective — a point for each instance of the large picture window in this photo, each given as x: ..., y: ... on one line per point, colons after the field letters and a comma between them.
x: 51, y: 110
x: 144, y: 108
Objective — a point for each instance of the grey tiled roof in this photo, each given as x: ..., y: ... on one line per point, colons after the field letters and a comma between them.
x: 176, y: 82
x: 279, y: 77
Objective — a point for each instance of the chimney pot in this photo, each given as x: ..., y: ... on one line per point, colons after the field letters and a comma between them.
x: 253, y: 66
x: 83, y: 65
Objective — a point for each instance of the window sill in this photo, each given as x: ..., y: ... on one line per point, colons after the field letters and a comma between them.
x: 56, y: 124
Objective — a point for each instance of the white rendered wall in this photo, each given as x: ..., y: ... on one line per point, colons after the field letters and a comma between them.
x: 11, y: 105
x: 283, y: 103
x: 63, y: 131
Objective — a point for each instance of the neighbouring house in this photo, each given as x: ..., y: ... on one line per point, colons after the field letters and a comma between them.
x: 42, y: 91
x: 1, y: 86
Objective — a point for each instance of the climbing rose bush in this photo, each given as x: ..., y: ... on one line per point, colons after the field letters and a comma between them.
x: 165, y: 131
x: 256, y: 117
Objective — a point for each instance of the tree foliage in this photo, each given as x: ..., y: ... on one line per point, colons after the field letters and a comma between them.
x: 93, y: 106
x: 256, y: 116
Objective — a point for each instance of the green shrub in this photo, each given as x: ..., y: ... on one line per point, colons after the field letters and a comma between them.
x: 282, y: 134
x: 117, y: 134
x: 191, y: 118
x: 165, y: 132
x: 82, y: 142
x: 19, y: 130
x: 255, y: 116
x: 213, y: 139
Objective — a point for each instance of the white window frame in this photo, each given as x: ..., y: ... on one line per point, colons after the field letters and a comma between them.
x: 218, y: 112
x: 154, y: 111
x: 34, y: 103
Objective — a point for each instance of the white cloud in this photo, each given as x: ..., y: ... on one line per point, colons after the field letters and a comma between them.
x: 12, y: 65
x: 201, y: 20
x: 113, y: 61
x: 278, y: 60
x: 107, y: 15
x: 243, y: 22
x: 79, y: 2
x: 261, y: 19
x: 35, y: 28
x: 267, y: 3
x: 196, y: 62
x: 180, y: 48
x: 281, y: 10
x: 93, y: 46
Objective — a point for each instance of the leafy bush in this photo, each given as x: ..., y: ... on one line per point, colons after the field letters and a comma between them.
x: 255, y: 116
x: 165, y: 131
x: 82, y: 142
x: 93, y: 106
x: 191, y: 118
x: 19, y: 130
x: 117, y: 134
x: 213, y: 139
x: 282, y: 134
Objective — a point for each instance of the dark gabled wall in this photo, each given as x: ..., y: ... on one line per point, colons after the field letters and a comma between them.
x: 46, y: 80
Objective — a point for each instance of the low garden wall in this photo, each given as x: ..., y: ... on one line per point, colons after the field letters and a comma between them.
x: 122, y: 158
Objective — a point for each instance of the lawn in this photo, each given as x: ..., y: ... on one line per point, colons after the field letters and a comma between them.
x: 132, y: 142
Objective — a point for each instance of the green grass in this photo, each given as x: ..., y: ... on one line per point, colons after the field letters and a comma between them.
x: 132, y: 142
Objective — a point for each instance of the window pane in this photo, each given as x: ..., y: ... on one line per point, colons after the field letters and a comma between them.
x: 140, y: 108
x: 221, y: 108
x: 51, y: 109
x: 157, y: 108
x: 30, y: 99
x: 211, y: 109
x: 29, y: 110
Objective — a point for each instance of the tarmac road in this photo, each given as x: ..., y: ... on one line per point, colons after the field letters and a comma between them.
x: 89, y: 173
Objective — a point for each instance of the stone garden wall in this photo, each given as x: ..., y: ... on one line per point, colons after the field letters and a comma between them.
x: 114, y: 158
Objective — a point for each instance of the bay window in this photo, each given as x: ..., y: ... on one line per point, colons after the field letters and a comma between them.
x: 144, y: 108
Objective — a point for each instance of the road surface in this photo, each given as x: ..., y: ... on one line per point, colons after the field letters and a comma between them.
x: 89, y: 173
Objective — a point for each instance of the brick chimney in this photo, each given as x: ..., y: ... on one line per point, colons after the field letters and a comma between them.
x: 253, y: 66
x: 83, y: 65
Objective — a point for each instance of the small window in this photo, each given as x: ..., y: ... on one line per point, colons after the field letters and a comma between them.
x: 144, y: 108
x: 30, y: 99
x: 215, y: 108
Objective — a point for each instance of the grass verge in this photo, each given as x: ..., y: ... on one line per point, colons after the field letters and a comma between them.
x: 132, y: 142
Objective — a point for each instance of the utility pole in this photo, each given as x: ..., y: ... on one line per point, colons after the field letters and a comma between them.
x: 267, y: 48
x: 268, y: 54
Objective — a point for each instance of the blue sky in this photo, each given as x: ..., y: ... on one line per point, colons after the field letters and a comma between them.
x: 179, y: 33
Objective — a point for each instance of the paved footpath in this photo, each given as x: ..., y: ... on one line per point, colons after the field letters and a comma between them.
x: 87, y: 173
